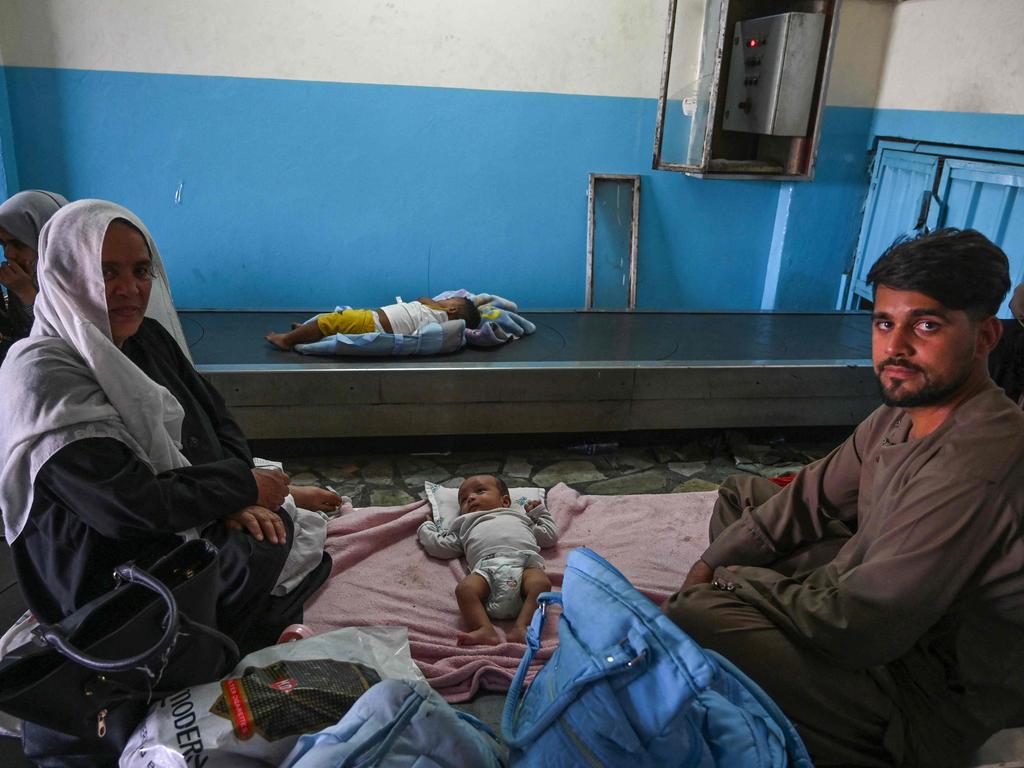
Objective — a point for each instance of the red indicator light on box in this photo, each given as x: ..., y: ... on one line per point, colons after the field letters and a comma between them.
x: 752, y: 43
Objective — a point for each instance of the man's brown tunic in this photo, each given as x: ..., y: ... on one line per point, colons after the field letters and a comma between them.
x: 923, y: 603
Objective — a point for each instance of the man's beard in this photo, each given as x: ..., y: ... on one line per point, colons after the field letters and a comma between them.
x: 932, y: 393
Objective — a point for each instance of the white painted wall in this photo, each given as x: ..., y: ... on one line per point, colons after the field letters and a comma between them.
x: 955, y: 55
x: 860, y: 53
x: 601, y: 47
x: 943, y: 55
x: 608, y: 47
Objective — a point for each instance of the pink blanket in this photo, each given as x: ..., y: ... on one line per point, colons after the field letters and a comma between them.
x: 382, y: 576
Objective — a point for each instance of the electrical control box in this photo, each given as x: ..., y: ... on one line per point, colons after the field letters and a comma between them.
x: 743, y: 86
x: 772, y: 72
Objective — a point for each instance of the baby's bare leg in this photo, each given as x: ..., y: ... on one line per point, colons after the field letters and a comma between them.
x: 470, y: 594
x: 306, y: 333
x: 315, y: 498
x: 535, y: 581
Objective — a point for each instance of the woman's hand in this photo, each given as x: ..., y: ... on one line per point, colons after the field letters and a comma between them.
x: 315, y: 498
x: 260, y: 522
x: 272, y: 486
x: 15, y: 278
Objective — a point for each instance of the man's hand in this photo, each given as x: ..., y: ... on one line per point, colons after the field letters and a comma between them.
x: 700, y: 573
x: 260, y: 522
x: 531, y: 505
x: 272, y: 487
x: 14, y: 278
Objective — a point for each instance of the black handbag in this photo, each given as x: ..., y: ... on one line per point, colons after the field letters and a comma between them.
x: 94, y: 674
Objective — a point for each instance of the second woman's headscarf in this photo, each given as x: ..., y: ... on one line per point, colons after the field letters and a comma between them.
x: 24, y: 214
x: 68, y: 381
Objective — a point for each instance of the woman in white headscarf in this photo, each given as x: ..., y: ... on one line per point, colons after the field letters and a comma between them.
x: 21, y: 218
x: 114, y: 448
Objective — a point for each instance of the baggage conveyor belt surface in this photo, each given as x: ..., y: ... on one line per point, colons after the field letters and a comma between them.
x: 580, y: 372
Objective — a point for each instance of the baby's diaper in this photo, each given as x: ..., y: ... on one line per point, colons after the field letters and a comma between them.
x: 504, y: 574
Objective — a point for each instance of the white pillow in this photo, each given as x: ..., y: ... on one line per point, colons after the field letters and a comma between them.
x: 444, y: 502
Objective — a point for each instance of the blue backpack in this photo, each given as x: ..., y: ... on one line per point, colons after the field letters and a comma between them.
x: 627, y: 687
x: 399, y: 723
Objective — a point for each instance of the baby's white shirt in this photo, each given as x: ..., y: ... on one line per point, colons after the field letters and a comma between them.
x: 408, y: 317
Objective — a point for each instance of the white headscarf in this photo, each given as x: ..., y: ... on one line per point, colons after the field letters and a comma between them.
x: 24, y: 214
x: 68, y: 381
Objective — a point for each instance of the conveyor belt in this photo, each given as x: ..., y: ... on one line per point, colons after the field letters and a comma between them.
x: 580, y: 372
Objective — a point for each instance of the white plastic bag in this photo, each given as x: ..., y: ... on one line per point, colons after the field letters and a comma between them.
x: 19, y: 634
x: 227, y: 725
x: 310, y: 533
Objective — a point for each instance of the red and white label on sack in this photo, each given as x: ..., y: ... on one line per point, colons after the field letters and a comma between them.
x: 286, y: 685
x: 241, y: 715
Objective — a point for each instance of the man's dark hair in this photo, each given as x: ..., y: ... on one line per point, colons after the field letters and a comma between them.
x: 468, y: 312
x: 960, y: 268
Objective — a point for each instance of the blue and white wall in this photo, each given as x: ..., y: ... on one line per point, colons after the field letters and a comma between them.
x: 296, y: 155
x: 953, y: 73
x: 943, y: 71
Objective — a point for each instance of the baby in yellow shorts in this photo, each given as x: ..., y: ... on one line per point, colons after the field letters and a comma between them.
x: 404, y: 318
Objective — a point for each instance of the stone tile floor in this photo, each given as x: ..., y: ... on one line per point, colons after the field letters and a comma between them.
x: 604, y: 466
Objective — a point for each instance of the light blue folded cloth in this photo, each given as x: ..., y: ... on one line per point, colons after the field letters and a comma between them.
x: 500, y: 320
x: 432, y: 339
x: 399, y: 723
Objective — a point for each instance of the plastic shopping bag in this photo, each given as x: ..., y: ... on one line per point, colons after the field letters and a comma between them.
x: 255, y: 715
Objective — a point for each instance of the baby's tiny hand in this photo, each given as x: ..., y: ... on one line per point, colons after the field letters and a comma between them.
x: 429, y: 518
x: 531, y: 505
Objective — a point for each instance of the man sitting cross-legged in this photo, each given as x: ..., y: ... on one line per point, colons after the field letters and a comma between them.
x: 879, y: 598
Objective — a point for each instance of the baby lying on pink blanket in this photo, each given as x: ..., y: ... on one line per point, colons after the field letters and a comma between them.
x: 382, y: 576
x: 502, y: 547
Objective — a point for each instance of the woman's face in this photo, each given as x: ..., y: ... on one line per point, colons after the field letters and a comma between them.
x: 128, y: 276
x: 15, y: 250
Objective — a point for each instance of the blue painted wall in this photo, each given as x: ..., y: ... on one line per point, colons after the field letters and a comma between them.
x: 303, y: 194
x: 300, y: 194
x: 970, y: 128
x: 8, y: 164
x: 824, y: 215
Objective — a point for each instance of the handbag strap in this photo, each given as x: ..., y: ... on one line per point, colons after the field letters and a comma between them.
x: 54, y: 636
x: 533, y: 633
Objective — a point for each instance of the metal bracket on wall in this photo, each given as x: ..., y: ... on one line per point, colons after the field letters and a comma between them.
x: 598, y: 181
